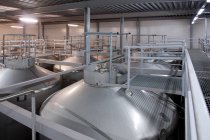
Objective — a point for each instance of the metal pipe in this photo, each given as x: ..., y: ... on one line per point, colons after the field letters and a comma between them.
x: 128, y: 74
x: 86, y: 36
x: 33, y: 115
x: 47, y: 61
x: 121, y: 33
x: 101, y: 33
x: 206, y: 30
x: 5, y: 98
x: 44, y: 78
x: 54, y: 131
x: 110, y: 57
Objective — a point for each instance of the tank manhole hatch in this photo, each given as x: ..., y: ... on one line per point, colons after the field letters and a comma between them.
x: 162, y: 84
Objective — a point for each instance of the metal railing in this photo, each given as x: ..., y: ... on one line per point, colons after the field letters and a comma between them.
x: 197, y: 119
x: 33, y: 105
x: 155, y: 51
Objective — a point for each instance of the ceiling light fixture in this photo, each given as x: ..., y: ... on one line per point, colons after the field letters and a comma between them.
x: 73, y: 25
x: 17, y: 27
x: 208, y: 1
x: 200, y: 11
x: 28, y: 20
x: 195, y: 18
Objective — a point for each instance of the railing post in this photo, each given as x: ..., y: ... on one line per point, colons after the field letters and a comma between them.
x: 110, y: 57
x: 33, y: 115
x: 128, y: 74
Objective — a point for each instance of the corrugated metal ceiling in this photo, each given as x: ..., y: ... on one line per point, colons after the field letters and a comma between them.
x: 117, y: 8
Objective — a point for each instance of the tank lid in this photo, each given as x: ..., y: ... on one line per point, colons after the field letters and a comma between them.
x: 97, y: 74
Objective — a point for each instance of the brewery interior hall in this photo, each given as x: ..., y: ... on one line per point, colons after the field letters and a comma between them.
x: 104, y: 69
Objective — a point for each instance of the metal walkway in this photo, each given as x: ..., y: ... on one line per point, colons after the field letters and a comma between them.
x: 201, y: 65
x: 163, y: 84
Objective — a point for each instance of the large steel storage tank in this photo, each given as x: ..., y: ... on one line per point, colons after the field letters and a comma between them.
x: 17, y: 71
x: 101, y: 112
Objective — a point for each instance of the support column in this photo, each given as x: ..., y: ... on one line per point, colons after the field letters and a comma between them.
x: 138, y: 31
x: 43, y: 32
x: 98, y: 28
x: 121, y: 33
x: 24, y: 29
x: 67, y: 32
x: 206, y: 29
x: 191, y: 35
x: 40, y: 30
x: 86, y: 36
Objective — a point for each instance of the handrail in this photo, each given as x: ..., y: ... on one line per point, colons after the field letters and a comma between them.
x: 195, y: 105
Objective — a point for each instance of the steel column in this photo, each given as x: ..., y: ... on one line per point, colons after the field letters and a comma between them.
x: 86, y: 36
x: 67, y: 32
x: 98, y: 28
x: 24, y: 29
x: 206, y: 29
x: 191, y: 35
x: 138, y: 31
x: 33, y: 115
x: 40, y: 30
x: 121, y: 33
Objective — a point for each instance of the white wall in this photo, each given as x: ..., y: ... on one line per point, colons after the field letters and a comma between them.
x: 56, y: 31
x: 6, y: 29
x: 29, y: 29
x: 179, y: 28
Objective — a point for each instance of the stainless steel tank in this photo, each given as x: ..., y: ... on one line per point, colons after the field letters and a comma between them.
x: 102, y: 113
x: 18, y: 71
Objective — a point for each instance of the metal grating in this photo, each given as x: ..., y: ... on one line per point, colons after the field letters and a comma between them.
x: 162, y: 84
x: 201, y: 65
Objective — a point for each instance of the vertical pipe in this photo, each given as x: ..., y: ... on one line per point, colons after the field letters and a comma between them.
x: 3, y: 47
x: 67, y: 37
x: 191, y: 35
x: 67, y: 32
x: 128, y: 74
x: 206, y: 28
x: 87, y: 38
x: 110, y: 57
x: 121, y: 33
x: 98, y: 36
x: 24, y: 30
x: 97, y: 28
x: 138, y: 31
x: 40, y: 30
x: 33, y: 111
x: 43, y: 33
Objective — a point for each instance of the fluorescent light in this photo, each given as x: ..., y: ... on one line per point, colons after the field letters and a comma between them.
x: 28, y: 20
x: 17, y: 27
x: 195, y: 18
x: 208, y: 1
x: 73, y: 25
x: 200, y: 11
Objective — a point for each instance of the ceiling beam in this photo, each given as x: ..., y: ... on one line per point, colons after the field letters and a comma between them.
x: 117, y: 20
x: 90, y: 3
x: 126, y: 15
